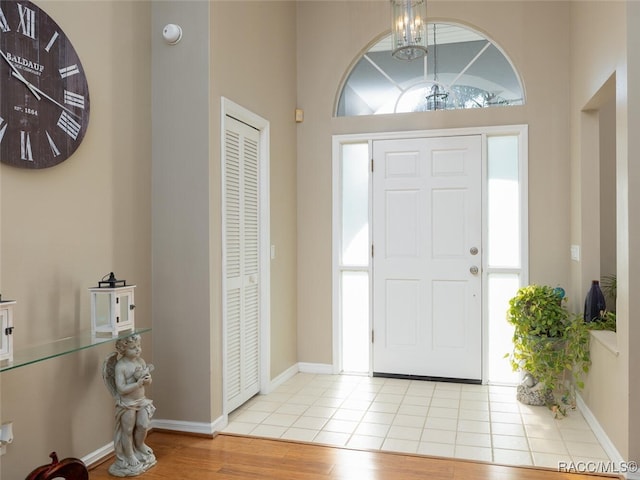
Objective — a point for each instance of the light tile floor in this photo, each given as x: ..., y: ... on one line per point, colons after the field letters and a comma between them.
x: 477, y: 422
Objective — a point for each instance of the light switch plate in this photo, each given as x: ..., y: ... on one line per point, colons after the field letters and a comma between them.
x: 575, y: 252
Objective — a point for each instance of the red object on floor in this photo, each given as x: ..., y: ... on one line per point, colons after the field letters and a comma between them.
x: 69, y: 469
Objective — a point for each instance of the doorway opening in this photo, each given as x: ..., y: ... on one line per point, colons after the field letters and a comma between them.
x: 501, y: 255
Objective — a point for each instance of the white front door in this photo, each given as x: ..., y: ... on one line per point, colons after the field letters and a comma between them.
x: 427, y: 281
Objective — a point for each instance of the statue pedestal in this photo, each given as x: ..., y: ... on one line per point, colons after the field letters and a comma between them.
x: 119, y: 469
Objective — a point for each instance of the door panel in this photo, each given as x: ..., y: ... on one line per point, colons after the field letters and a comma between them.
x: 242, y: 266
x: 402, y: 218
x: 426, y: 219
x: 402, y: 305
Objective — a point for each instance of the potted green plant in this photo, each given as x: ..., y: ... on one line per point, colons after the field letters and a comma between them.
x: 550, y: 346
x: 610, y: 288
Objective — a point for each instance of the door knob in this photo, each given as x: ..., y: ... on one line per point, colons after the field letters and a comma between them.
x: 473, y: 270
x: 473, y: 250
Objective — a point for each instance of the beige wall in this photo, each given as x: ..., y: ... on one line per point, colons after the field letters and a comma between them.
x: 602, y: 67
x: 559, y: 83
x: 330, y: 37
x: 630, y: 188
x: 257, y: 71
x: 65, y: 227
x: 607, y: 188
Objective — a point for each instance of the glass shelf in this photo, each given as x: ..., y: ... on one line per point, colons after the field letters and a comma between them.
x: 64, y: 346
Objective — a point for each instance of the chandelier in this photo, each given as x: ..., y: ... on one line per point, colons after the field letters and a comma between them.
x: 409, y: 28
x: 437, y: 98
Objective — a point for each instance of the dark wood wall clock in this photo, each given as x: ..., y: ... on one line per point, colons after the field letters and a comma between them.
x: 44, y: 96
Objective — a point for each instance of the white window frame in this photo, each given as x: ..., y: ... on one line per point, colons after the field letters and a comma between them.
x: 523, y: 271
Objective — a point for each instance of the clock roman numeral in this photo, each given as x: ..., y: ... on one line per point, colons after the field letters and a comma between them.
x: 3, y: 128
x: 52, y: 145
x: 68, y: 71
x: 54, y: 37
x: 4, y: 25
x: 25, y: 146
x: 69, y: 125
x: 27, y: 24
x: 73, y: 99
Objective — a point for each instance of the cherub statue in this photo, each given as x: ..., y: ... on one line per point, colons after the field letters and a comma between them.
x: 126, y: 374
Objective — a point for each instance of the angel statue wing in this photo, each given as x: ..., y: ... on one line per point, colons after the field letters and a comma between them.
x: 109, y: 373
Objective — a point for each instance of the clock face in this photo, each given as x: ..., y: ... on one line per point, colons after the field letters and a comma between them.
x: 44, y: 96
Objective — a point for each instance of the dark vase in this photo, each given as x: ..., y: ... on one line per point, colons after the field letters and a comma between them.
x: 594, y: 304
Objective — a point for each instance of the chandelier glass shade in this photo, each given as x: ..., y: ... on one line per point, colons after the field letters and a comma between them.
x: 437, y: 98
x: 409, y: 28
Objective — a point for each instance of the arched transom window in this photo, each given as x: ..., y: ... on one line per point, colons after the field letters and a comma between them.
x: 463, y: 69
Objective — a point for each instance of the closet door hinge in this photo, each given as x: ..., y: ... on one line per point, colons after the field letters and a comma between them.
x: 372, y: 165
x: 372, y: 250
x: 372, y: 336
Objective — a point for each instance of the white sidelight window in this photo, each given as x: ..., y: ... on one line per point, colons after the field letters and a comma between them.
x: 353, y: 258
x: 506, y: 245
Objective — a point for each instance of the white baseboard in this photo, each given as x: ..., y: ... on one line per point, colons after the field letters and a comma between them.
x: 319, y: 368
x: 280, y: 379
x: 200, y: 428
x: 98, y: 455
x: 608, y: 446
x: 315, y: 368
x: 221, y: 422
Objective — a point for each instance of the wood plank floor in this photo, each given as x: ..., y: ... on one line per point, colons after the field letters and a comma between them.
x: 184, y: 457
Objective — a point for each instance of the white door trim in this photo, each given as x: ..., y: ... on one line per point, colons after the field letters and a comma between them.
x: 337, y: 140
x: 232, y: 109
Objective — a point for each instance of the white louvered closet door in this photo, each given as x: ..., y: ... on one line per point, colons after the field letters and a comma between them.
x: 242, y: 265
